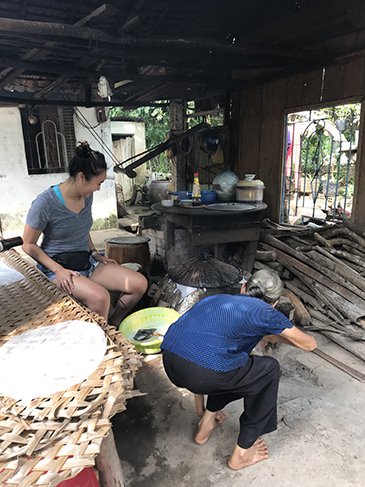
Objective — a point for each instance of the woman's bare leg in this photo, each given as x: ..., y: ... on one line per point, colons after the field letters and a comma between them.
x: 92, y: 295
x: 132, y: 285
x: 199, y: 404
x: 200, y: 409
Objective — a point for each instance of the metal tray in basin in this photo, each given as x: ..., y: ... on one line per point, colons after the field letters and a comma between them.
x: 231, y: 207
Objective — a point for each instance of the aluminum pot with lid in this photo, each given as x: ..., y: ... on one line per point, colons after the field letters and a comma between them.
x: 250, y: 190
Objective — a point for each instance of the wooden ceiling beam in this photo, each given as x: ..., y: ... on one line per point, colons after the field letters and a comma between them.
x: 69, y: 34
x: 10, y: 100
x: 46, y: 67
x: 100, y: 12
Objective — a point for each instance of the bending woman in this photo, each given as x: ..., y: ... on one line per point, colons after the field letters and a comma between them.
x: 67, y: 254
x: 207, y: 351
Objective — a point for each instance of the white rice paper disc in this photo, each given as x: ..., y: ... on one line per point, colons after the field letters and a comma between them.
x: 47, y: 360
x: 9, y: 275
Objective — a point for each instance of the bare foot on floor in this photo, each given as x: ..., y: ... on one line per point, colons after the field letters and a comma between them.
x: 207, y: 424
x: 242, y: 458
x: 220, y: 417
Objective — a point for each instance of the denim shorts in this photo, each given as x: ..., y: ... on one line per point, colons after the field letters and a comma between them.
x: 51, y: 275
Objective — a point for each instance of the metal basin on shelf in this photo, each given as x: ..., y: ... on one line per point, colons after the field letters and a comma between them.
x: 231, y: 207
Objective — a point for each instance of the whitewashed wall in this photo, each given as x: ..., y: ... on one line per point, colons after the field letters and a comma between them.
x: 18, y: 189
x: 99, y: 139
x: 137, y: 131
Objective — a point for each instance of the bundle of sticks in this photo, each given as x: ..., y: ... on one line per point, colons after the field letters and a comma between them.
x: 323, y: 270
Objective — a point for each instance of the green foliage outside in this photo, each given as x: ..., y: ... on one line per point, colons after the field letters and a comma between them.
x: 157, y: 125
x: 320, y: 154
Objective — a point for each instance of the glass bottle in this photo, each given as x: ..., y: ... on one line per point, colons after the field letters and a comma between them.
x: 196, y: 195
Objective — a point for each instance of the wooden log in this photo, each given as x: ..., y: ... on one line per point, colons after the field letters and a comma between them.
x: 285, y: 274
x: 350, y: 266
x: 287, y: 307
x: 299, y: 261
x: 275, y: 265
x: 335, y: 272
x: 301, y: 285
x: 332, y: 231
x: 309, y: 283
x: 299, y: 244
x: 108, y: 463
x: 321, y: 240
x: 321, y: 316
x: 346, y: 308
x: 301, y: 315
x: 346, y: 255
x: 352, y: 249
x: 354, y: 228
x: 356, y: 268
x: 287, y: 227
x: 308, y: 298
x: 338, y: 297
x: 265, y: 255
x: 327, y: 254
x: 349, y: 243
x: 341, y: 230
x: 258, y: 266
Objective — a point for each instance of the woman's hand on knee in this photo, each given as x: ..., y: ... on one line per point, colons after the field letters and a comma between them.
x: 104, y: 260
x: 64, y: 280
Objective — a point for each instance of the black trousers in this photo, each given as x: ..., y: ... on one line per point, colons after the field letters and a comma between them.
x: 256, y: 383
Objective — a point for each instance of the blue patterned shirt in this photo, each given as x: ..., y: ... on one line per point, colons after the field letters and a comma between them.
x: 220, y: 331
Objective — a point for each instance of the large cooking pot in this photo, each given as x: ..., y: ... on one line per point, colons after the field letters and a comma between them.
x: 250, y: 190
x: 157, y: 190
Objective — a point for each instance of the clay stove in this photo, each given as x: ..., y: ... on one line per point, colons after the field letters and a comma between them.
x: 179, y: 233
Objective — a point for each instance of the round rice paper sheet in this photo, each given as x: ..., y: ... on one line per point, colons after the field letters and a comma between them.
x: 47, y: 360
x: 9, y: 275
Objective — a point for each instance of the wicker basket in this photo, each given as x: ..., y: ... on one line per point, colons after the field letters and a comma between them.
x: 53, y: 438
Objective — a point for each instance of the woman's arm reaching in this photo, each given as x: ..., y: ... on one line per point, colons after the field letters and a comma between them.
x: 294, y: 337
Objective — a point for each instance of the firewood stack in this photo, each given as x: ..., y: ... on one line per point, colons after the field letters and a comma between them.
x: 323, y: 270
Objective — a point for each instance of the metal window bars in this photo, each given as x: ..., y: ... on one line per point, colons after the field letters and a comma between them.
x: 54, y: 152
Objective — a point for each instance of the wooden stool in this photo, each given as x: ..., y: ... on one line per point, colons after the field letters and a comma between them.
x: 129, y: 249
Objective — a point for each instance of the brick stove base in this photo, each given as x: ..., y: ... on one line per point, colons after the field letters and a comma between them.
x: 154, y: 227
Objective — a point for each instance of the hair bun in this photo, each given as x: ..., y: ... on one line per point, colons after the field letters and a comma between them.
x: 83, y: 149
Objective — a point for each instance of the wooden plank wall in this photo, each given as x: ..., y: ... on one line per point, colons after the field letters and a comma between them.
x: 259, y: 128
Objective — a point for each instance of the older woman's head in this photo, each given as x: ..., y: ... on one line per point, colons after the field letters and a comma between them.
x: 265, y: 285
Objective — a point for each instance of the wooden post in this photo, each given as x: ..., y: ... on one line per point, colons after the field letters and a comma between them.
x: 178, y: 124
x: 358, y: 214
x: 108, y: 463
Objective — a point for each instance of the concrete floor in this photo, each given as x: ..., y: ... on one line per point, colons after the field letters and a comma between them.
x: 319, y: 441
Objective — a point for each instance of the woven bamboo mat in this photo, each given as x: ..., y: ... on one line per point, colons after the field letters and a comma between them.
x: 53, y: 438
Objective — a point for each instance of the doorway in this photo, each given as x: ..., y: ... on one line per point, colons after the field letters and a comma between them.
x: 319, y: 165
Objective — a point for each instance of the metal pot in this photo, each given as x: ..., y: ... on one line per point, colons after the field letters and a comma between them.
x: 158, y: 190
x: 250, y: 191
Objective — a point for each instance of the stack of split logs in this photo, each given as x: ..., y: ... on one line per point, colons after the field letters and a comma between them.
x: 323, y: 270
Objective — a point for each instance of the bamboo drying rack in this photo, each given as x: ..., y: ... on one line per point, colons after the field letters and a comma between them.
x: 53, y: 438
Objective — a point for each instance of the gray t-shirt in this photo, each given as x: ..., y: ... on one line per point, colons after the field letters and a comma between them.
x: 63, y: 230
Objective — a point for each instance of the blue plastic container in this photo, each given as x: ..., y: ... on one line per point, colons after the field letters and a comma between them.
x: 208, y: 197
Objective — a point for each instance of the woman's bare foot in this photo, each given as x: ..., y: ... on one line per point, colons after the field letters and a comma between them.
x: 220, y: 417
x: 242, y: 458
x: 207, y: 424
